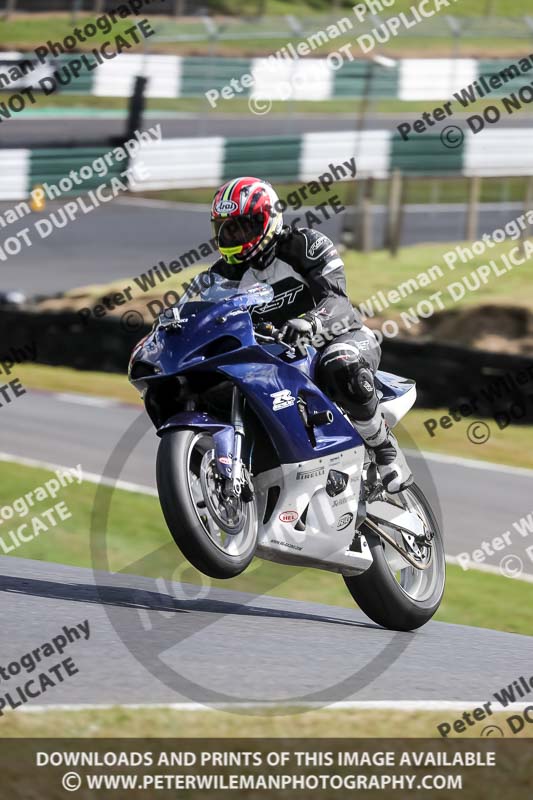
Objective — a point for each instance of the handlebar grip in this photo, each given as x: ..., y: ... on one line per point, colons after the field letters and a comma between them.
x: 265, y: 328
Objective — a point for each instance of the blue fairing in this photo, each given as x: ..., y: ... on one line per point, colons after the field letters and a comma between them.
x: 223, y: 435
x: 196, y: 345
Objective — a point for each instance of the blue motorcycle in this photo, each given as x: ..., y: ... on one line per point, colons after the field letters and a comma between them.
x: 255, y: 460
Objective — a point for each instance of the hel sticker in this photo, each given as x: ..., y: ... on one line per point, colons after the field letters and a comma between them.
x: 225, y: 460
x: 226, y: 206
x: 288, y: 516
x: 282, y: 399
x: 344, y: 521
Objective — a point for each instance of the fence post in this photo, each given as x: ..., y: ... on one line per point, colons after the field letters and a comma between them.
x: 98, y: 6
x: 77, y: 7
x: 11, y: 7
x: 472, y: 217
x: 528, y: 206
x: 136, y: 107
x: 393, y: 228
x: 179, y: 8
x: 351, y: 231
x: 367, y: 202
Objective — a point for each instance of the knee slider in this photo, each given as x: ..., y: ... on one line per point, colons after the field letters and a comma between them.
x: 336, y: 370
x: 361, y: 383
x: 345, y: 374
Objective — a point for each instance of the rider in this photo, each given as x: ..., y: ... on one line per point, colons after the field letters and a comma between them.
x: 307, y: 276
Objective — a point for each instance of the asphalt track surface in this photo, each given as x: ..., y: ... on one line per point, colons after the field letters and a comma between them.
x: 473, y: 504
x: 30, y: 131
x: 127, y: 236
x: 150, y: 644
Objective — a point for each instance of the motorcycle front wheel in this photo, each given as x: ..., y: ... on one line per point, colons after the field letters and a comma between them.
x: 216, y: 533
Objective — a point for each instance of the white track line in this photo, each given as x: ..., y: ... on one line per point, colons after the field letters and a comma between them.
x: 86, y: 400
x: 471, y: 463
x: 491, y: 570
x: 344, y: 705
x: 139, y: 488
x: 90, y: 477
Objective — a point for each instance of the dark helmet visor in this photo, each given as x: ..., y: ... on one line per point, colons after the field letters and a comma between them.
x: 236, y: 231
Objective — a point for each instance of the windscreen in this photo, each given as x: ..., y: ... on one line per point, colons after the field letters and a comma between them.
x: 209, y: 287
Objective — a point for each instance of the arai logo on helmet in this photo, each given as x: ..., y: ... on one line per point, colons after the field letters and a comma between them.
x: 226, y: 206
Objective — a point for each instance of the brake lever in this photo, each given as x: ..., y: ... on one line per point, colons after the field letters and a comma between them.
x: 276, y: 338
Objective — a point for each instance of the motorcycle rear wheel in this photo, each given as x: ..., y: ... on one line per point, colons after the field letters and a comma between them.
x: 218, y: 535
x: 392, y: 593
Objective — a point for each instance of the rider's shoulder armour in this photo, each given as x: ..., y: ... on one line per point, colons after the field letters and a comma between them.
x: 306, y: 249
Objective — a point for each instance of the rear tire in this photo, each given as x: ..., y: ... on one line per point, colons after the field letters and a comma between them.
x: 378, y: 592
x: 181, y: 458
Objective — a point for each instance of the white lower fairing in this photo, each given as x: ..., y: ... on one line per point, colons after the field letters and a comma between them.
x: 313, y: 520
x: 394, y: 410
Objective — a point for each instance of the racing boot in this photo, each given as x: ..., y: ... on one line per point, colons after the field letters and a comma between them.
x: 390, y: 461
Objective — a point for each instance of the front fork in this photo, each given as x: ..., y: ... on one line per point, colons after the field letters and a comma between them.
x: 237, y: 410
x: 240, y: 483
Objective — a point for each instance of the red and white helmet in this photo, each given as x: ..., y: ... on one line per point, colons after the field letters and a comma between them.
x: 246, y: 219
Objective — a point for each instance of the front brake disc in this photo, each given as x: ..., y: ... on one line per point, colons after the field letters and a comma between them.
x: 227, y: 512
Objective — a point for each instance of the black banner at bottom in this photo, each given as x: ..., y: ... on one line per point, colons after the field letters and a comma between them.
x: 220, y: 769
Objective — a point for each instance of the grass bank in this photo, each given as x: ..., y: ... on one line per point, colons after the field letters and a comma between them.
x: 182, y: 724
x: 31, y: 30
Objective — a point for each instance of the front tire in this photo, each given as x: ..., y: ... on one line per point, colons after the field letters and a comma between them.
x: 217, y: 535
x: 401, y: 599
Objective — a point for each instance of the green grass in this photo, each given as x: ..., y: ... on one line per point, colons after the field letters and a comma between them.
x: 239, y: 106
x: 417, y: 190
x: 504, y: 446
x: 30, y: 30
x: 137, y: 542
x: 503, y: 8
x: 368, y: 273
x: 64, y: 379
x: 289, y: 723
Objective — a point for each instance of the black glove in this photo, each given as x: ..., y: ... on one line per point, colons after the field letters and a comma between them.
x: 295, y: 329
